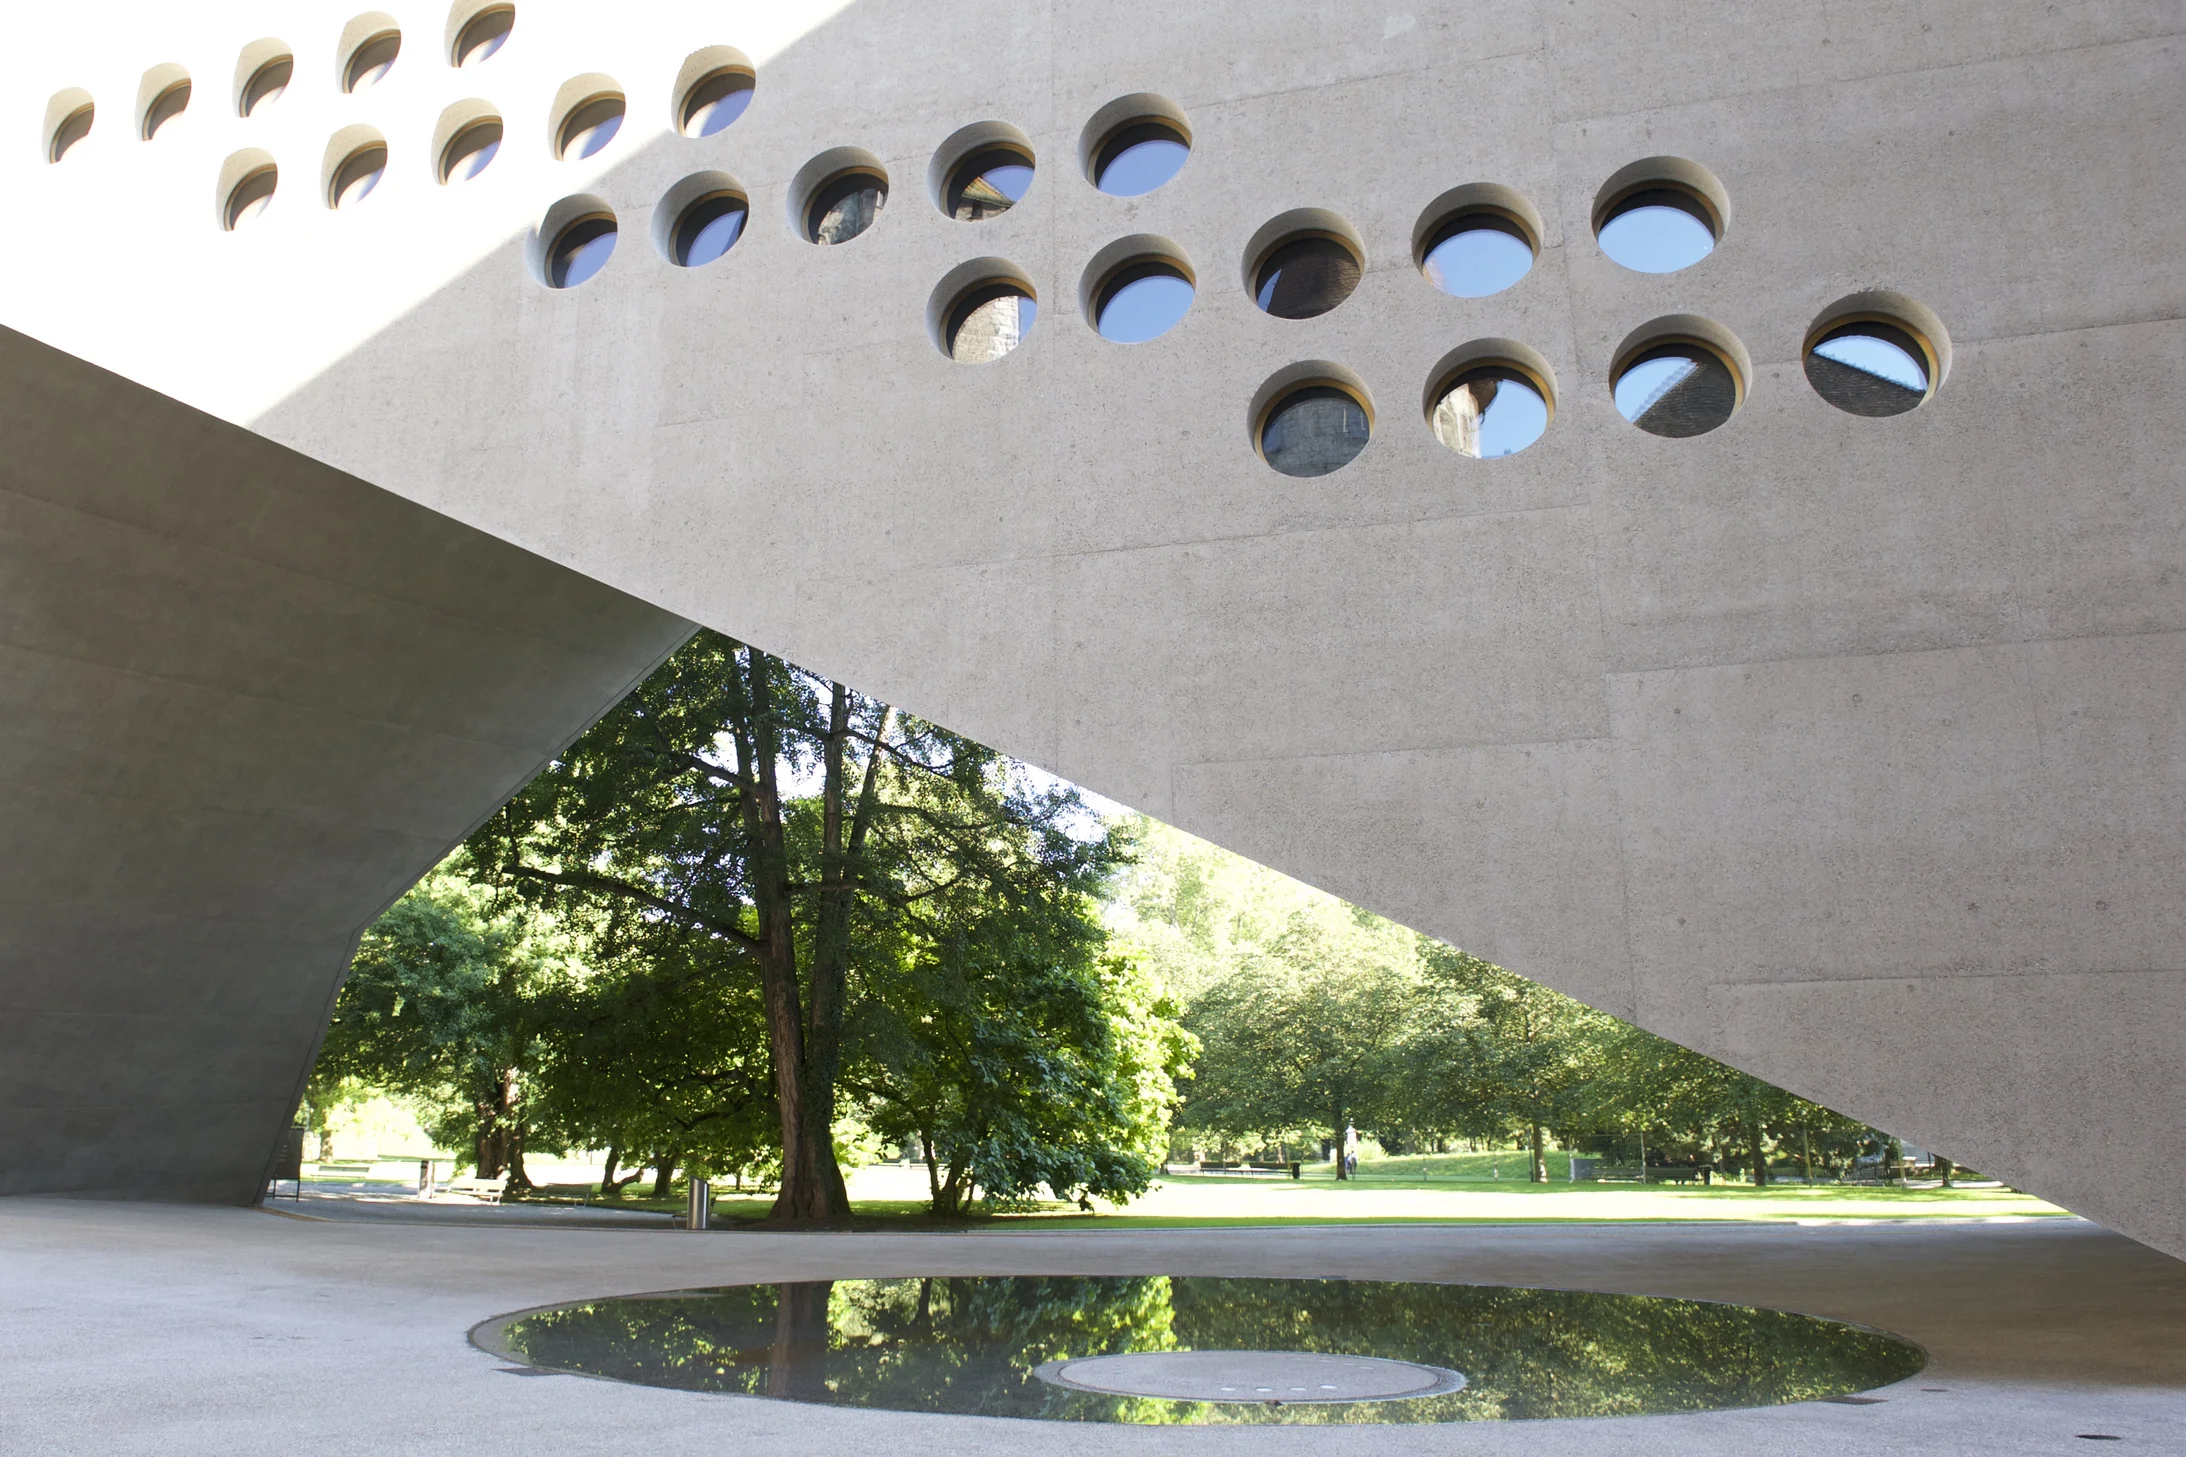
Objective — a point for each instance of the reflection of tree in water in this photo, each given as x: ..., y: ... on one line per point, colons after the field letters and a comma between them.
x: 1549, y: 1353
x: 938, y: 1344
x: 970, y: 1345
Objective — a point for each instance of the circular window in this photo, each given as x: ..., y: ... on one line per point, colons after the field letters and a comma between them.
x: 1489, y: 405
x: 988, y: 183
x: 1138, y: 158
x: 1660, y: 215
x: 357, y: 175
x: 1142, y: 300
x: 471, y: 150
x: 589, y: 126
x: 1304, y: 263
x: 70, y: 115
x: 1476, y: 252
x: 1134, y: 144
x: 268, y: 83
x: 988, y: 319
x: 1678, y: 377
x: 1313, y: 423
x: 580, y: 249
x: 845, y: 206
x: 1870, y: 367
x: 483, y: 34
x: 709, y: 227
x: 717, y: 99
x: 169, y: 101
x: 372, y: 59
x: 249, y: 197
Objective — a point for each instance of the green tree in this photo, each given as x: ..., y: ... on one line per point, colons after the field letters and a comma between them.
x: 1307, y: 1034
x: 1507, y: 1051
x: 660, y: 1058
x: 674, y: 831
x: 436, y: 1009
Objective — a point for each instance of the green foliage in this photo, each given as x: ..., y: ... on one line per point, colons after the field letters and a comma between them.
x: 781, y: 891
x: 973, y: 1344
x: 1308, y: 1034
x: 1312, y: 1013
x: 436, y: 1009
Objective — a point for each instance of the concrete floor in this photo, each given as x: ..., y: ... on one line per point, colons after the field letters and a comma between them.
x: 178, y: 1330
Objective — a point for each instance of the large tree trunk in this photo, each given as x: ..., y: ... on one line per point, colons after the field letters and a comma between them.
x: 797, y: 1364
x: 1539, y: 1172
x: 664, y: 1176
x: 812, y: 1184
x: 1756, y: 1140
x: 949, y: 1199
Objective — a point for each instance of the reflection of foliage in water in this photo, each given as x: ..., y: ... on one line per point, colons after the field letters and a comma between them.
x: 970, y: 1345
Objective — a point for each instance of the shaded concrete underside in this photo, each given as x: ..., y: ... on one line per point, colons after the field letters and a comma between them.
x: 186, y: 1330
x: 245, y: 701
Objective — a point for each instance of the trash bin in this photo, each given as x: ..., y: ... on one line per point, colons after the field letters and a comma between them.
x: 701, y: 1205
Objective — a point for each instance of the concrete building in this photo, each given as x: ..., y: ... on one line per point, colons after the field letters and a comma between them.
x: 1840, y: 744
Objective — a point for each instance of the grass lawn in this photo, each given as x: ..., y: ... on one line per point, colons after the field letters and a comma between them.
x: 1392, y: 1191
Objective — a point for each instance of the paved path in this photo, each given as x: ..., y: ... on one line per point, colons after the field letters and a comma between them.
x: 182, y: 1330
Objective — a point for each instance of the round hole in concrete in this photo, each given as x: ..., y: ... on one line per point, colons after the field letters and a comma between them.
x: 1134, y: 144
x: 1660, y: 215
x: 1312, y: 419
x: 1490, y: 399
x: 982, y: 311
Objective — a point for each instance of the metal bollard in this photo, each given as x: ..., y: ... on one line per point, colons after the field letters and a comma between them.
x: 701, y: 1205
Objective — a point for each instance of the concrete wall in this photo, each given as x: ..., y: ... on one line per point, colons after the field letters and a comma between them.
x: 245, y: 701
x: 1845, y: 749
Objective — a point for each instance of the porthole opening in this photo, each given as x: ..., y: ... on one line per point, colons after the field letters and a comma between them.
x: 1490, y: 409
x: 483, y: 34
x: 988, y: 320
x: 1140, y: 156
x: 360, y: 172
x: 172, y: 100
x: 590, y: 125
x: 471, y: 150
x: 370, y: 62
x: 1676, y: 388
x: 716, y: 101
x: 1871, y: 367
x: 1142, y: 300
x: 709, y: 227
x: 1477, y: 253
x: 988, y: 183
x: 72, y: 127
x: 248, y: 199
x: 845, y: 206
x: 580, y: 250
x: 267, y: 84
x: 1313, y: 429
x: 1660, y: 214
x: 1305, y: 275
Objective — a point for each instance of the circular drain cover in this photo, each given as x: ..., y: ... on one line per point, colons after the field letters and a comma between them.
x: 1255, y: 1376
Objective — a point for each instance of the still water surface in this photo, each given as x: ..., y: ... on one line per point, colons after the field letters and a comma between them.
x: 969, y: 1344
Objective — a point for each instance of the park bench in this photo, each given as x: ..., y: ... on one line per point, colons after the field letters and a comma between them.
x: 1267, y: 1168
x: 487, y: 1191
x: 1680, y: 1173
x: 1594, y: 1171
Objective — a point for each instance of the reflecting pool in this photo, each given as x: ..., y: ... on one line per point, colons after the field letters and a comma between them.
x: 972, y: 1345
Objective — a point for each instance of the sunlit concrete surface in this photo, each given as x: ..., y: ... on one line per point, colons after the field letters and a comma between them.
x: 1844, y: 749
x: 179, y: 1330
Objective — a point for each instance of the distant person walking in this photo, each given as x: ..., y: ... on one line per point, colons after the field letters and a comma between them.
x: 1350, y: 1152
